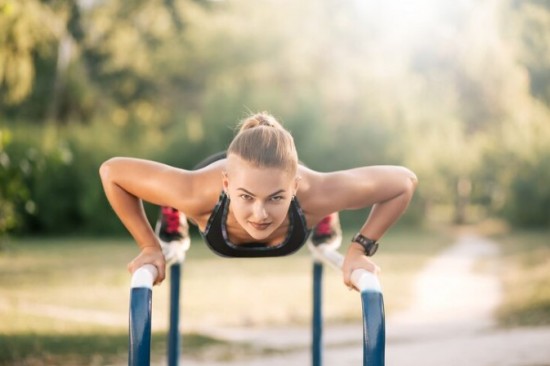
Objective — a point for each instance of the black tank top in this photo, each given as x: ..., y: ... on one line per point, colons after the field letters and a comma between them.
x: 217, y: 239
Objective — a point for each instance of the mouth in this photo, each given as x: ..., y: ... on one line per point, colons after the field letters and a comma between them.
x: 259, y: 226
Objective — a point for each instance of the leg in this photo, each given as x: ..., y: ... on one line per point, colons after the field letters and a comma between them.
x: 317, y: 320
x: 172, y: 230
x: 173, y: 331
x: 328, y: 231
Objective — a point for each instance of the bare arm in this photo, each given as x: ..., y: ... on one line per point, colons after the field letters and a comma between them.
x: 388, y: 189
x: 126, y: 182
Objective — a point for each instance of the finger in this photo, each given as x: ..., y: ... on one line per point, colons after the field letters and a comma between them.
x: 161, y: 273
x: 350, y: 284
x: 347, y: 279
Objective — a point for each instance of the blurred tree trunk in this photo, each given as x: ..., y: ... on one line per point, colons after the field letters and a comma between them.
x: 463, y: 192
x: 64, y: 56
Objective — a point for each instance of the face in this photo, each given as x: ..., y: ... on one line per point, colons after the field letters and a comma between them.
x: 260, y: 197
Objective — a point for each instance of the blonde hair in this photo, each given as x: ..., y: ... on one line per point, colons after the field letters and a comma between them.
x: 264, y: 142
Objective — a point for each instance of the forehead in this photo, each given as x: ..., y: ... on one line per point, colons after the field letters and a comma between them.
x: 242, y: 174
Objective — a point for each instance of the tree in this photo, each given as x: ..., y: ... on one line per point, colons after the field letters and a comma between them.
x: 26, y: 28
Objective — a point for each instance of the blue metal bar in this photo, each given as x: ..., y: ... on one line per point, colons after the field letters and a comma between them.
x: 173, y: 332
x: 374, y: 330
x: 140, y: 327
x: 317, y: 342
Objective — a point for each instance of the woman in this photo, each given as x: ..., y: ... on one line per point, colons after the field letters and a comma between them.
x: 259, y: 200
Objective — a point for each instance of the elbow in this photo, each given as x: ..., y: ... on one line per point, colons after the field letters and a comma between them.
x: 105, y: 170
x: 410, y: 181
x: 413, y: 179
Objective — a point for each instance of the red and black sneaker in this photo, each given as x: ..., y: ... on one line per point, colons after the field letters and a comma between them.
x: 171, y: 225
x: 327, y: 230
x: 173, y: 231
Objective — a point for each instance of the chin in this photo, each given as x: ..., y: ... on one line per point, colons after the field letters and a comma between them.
x: 259, y: 234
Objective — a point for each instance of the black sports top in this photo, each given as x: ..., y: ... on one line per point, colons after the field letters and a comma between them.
x: 217, y: 239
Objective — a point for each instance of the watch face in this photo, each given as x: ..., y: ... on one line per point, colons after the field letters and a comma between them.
x: 372, y: 248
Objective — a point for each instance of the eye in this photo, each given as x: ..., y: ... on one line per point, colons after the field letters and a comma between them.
x: 246, y: 197
x: 277, y: 198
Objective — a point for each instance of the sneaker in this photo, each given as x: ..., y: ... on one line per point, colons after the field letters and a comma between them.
x: 328, y: 231
x: 172, y: 230
x: 326, y: 238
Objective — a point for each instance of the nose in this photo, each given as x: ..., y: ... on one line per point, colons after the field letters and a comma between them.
x: 259, y: 211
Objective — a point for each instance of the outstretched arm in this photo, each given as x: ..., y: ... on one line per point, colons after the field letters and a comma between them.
x: 388, y: 189
x: 126, y: 182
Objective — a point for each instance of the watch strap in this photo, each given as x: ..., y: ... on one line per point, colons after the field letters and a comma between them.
x: 369, y: 245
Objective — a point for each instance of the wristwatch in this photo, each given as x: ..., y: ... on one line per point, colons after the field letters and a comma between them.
x: 370, y: 246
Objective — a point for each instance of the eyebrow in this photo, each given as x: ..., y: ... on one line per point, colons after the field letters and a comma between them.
x: 252, y: 194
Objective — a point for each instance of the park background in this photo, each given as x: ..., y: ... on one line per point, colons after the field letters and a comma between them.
x: 458, y: 91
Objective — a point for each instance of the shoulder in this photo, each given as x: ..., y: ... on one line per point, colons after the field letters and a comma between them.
x: 316, y: 190
x: 193, y: 192
x: 351, y: 188
x: 204, y: 189
x: 311, y: 194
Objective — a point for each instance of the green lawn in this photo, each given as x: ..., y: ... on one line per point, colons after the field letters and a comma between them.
x: 65, y: 301
x: 525, y: 267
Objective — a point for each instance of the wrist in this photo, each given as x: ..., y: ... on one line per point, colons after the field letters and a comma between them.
x: 356, y: 248
x: 368, y: 245
x: 150, y: 248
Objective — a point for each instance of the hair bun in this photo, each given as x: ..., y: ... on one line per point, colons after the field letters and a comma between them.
x: 263, y: 120
x: 259, y: 119
x: 263, y: 142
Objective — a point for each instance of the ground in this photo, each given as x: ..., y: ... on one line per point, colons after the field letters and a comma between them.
x: 450, y: 323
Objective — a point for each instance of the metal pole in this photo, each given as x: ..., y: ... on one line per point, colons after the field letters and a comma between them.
x: 139, y: 350
x: 374, y: 330
x: 317, y: 343
x: 173, y: 332
x: 140, y: 327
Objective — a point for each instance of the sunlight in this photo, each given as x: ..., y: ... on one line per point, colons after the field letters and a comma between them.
x: 405, y: 22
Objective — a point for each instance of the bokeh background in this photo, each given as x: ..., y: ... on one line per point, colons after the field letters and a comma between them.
x: 458, y: 91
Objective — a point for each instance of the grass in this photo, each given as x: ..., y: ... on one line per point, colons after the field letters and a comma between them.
x: 525, y: 278
x: 100, y: 348
x: 65, y: 301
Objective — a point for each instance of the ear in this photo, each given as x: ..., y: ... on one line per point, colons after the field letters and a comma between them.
x: 296, y: 184
x: 225, y: 181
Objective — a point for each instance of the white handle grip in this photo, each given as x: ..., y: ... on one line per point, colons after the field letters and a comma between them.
x: 365, y: 280
x: 144, y: 276
x: 361, y: 278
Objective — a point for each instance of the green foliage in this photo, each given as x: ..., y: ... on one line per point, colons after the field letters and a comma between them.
x: 15, y: 168
x: 528, y: 204
x: 533, y: 42
x: 55, y: 171
x: 25, y: 29
x: 356, y: 85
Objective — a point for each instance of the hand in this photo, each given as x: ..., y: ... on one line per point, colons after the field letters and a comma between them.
x: 150, y: 255
x: 356, y: 259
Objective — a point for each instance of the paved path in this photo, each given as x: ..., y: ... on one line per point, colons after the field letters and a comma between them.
x: 449, y: 323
